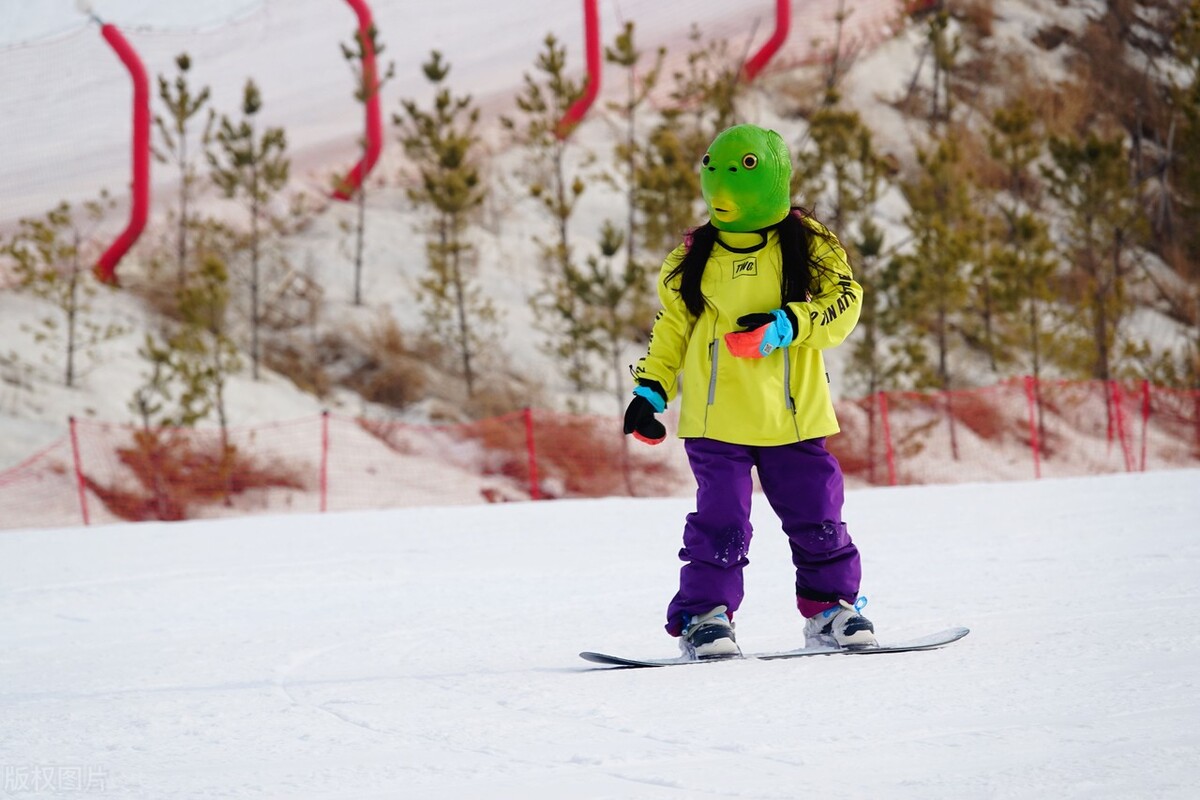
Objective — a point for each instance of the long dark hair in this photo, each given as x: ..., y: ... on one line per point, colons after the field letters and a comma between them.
x: 800, y: 269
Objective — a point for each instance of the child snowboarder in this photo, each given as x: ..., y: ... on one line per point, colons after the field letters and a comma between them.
x: 749, y: 300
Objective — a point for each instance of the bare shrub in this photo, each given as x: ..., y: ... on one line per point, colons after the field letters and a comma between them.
x: 384, y: 370
x: 979, y: 412
x: 576, y: 456
x: 303, y: 367
x: 1051, y: 37
x: 388, y: 432
x: 499, y: 395
x: 977, y: 15
x: 175, y: 472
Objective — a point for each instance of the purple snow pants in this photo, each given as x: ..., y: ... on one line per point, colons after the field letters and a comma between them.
x: 803, y: 484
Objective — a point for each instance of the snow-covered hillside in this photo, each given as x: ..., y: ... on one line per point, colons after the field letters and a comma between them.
x: 56, y: 70
x: 431, y: 653
x: 65, y: 134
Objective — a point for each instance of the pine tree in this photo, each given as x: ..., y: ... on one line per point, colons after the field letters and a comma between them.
x: 150, y: 399
x: 629, y: 150
x: 880, y: 355
x: 444, y: 144
x: 366, y: 86
x: 841, y: 164
x: 1138, y: 62
x: 1186, y: 99
x: 839, y: 160
x: 703, y: 99
x: 934, y: 286
x: 50, y: 258
x: 1125, y: 58
x: 254, y: 167
x: 543, y: 102
x: 836, y: 63
x: 189, y: 369
x: 208, y: 355
x: 191, y: 364
x: 1184, y: 175
x: 984, y: 292
x: 173, y: 131
x: 943, y: 50
x: 668, y: 189
x: 612, y: 311
x: 1102, y: 226
x: 1022, y: 260
x: 935, y: 271
x: 708, y: 86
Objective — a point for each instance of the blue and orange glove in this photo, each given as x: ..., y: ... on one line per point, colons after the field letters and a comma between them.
x: 764, y: 334
x: 648, y: 399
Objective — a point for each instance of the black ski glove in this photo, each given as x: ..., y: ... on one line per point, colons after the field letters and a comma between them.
x: 648, y: 399
x: 751, y: 321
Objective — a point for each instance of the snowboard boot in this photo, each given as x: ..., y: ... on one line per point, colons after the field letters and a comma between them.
x: 709, y: 636
x: 843, y: 626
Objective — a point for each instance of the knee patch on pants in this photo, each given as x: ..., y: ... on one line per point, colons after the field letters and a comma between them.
x: 819, y: 540
x: 731, y: 546
x: 726, y: 548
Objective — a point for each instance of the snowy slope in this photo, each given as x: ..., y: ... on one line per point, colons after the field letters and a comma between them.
x: 430, y: 653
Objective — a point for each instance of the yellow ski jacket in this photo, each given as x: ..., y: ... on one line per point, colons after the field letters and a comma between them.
x: 779, y: 399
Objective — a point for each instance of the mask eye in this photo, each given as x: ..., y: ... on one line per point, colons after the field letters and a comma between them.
x: 704, y: 161
x: 750, y: 161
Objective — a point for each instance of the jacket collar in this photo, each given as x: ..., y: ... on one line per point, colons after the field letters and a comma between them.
x: 750, y: 242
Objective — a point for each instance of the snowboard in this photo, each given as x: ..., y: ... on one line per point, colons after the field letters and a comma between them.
x: 930, y: 642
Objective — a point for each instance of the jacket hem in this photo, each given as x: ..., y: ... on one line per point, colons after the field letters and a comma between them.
x: 801, y: 436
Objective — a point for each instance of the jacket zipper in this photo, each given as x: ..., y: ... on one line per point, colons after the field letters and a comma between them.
x: 789, y: 401
x: 712, y: 380
x: 787, y: 383
x: 713, y: 348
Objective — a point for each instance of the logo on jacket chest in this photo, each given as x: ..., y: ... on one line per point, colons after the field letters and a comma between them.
x: 747, y: 266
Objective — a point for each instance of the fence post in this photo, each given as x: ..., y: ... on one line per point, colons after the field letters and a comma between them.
x: 1145, y: 421
x: 1119, y: 417
x: 948, y: 397
x: 887, y: 439
x: 1196, y: 416
x: 531, y: 451
x: 80, y: 483
x: 324, y: 461
x: 1035, y: 444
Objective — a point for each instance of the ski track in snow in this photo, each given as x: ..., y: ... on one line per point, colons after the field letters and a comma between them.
x: 430, y: 653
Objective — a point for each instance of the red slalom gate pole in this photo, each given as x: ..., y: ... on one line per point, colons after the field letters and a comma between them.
x: 783, y: 24
x: 106, y: 266
x: 373, y: 132
x: 591, y: 37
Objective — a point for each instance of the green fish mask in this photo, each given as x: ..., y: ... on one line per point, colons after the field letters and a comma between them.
x: 746, y: 179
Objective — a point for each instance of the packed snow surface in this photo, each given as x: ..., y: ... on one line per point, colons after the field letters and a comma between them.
x: 431, y: 653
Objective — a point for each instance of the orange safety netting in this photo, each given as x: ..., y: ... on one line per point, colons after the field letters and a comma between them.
x: 1018, y: 430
